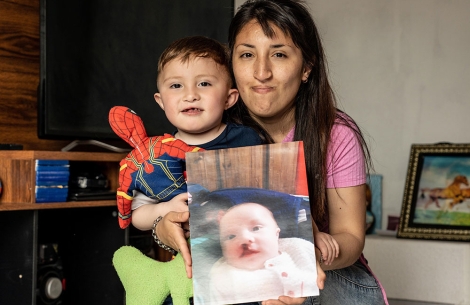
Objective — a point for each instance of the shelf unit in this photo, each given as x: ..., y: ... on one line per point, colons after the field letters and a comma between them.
x: 17, y: 173
x: 86, y: 233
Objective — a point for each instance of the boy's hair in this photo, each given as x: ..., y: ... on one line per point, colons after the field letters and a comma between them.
x: 195, y: 46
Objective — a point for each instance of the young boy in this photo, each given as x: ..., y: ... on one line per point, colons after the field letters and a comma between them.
x: 256, y: 264
x: 194, y: 89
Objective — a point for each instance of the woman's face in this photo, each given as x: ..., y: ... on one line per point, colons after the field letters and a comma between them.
x: 268, y: 72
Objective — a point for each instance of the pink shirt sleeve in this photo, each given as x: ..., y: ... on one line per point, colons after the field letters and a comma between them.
x: 345, y: 159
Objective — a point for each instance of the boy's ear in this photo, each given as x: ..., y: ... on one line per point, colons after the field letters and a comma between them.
x: 232, y: 98
x: 158, y: 99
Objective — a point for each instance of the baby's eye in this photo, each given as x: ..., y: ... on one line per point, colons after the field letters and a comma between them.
x: 175, y: 86
x: 256, y: 228
x: 204, y: 84
x: 231, y: 236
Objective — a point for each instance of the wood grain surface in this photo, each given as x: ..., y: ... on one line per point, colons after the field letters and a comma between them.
x: 19, y: 75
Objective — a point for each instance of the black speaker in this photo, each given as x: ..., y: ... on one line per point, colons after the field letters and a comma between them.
x: 51, y: 282
x: 87, y: 240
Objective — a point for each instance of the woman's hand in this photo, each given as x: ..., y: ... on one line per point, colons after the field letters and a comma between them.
x: 328, y: 246
x: 285, y: 300
x: 170, y: 232
x: 321, y: 277
x: 347, y: 218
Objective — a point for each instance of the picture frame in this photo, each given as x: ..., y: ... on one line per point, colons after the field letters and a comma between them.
x: 436, y: 200
x: 239, y: 253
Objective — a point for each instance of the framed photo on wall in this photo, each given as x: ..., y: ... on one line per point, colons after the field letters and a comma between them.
x: 436, y: 201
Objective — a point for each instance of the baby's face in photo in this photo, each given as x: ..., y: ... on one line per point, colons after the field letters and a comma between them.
x: 249, y: 236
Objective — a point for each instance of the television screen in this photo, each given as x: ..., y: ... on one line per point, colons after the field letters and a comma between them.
x: 96, y: 54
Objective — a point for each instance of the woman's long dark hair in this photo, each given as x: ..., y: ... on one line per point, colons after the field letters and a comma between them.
x: 315, y: 105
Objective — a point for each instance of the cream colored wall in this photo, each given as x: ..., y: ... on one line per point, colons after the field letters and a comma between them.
x: 401, y: 69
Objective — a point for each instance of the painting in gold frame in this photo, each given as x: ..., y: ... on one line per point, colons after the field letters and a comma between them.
x: 436, y: 200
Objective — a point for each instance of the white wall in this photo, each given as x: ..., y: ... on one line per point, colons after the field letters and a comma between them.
x: 401, y: 69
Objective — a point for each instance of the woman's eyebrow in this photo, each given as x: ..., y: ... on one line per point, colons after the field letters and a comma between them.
x: 245, y: 45
x: 273, y: 46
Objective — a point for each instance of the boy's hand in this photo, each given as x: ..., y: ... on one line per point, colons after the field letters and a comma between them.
x: 177, y: 204
x: 329, y: 248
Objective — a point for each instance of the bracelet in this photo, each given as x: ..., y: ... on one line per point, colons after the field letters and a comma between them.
x: 159, y: 242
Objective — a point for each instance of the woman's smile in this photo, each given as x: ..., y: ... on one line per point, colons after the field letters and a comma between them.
x: 263, y: 89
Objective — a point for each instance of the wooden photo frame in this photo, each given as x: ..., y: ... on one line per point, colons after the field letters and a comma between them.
x: 436, y: 201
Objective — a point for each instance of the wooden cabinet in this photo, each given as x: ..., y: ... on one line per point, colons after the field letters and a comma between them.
x: 85, y: 234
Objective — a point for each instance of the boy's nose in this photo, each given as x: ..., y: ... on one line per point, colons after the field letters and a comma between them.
x: 191, y: 95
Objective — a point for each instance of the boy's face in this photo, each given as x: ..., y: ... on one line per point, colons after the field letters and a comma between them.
x: 249, y: 236
x: 194, y: 95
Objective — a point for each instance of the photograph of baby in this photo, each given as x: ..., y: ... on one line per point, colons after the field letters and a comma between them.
x: 250, y: 243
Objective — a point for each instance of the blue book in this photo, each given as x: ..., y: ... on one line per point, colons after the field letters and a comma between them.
x: 51, y: 199
x: 51, y: 194
x: 57, y: 183
x: 52, y: 190
x: 53, y: 174
x: 52, y: 168
x: 52, y: 162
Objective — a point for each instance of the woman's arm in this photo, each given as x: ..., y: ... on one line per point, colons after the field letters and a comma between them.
x: 169, y: 230
x: 347, y: 212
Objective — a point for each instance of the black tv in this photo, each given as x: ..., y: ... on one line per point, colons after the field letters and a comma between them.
x: 95, y: 54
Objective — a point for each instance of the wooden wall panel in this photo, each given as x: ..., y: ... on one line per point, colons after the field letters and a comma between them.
x: 19, y: 75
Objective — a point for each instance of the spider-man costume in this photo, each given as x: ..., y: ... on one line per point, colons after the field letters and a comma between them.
x: 154, y: 167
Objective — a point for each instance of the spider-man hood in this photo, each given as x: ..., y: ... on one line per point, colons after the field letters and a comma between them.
x: 128, y: 125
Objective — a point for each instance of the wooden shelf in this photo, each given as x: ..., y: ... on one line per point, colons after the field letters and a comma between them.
x: 18, y: 176
x: 58, y: 205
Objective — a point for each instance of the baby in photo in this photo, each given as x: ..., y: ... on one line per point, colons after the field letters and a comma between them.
x: 256, y: 263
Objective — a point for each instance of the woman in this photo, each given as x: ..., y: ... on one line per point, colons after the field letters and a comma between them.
x: 281, y: 73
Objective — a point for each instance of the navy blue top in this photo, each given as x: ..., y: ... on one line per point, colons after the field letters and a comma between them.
x: 233, y: 136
